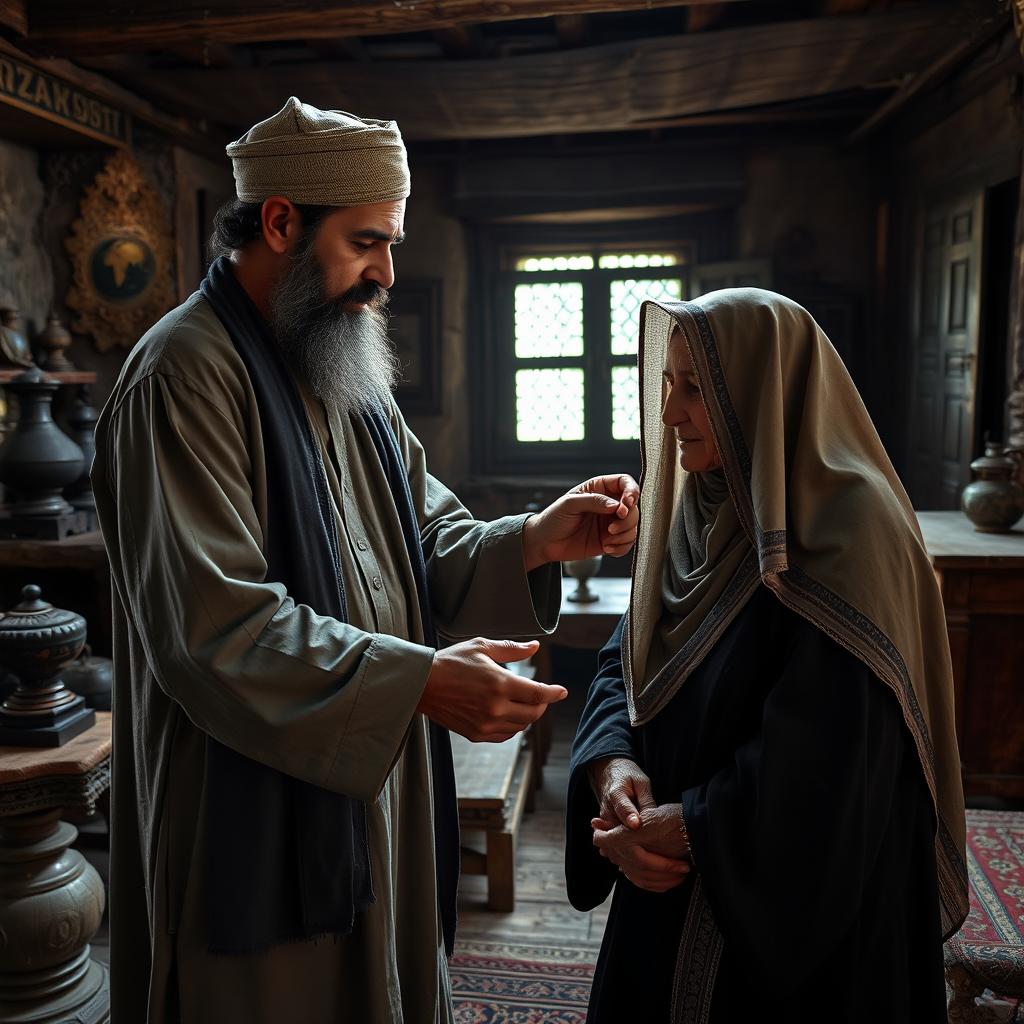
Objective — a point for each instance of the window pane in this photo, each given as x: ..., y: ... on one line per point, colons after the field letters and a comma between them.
x: 569, y: 261
x: 549, y: 320
x: 625, y: 403
x: 626, y: 297
x: 549, y: 405
x: 631, y: 260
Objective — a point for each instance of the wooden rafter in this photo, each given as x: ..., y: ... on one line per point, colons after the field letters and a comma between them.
x: 14, y: 16
x: 616, y: 87
x: 459, y: 42
x: 69, y: 27
x: 927, y: 77
x: 177, y: 128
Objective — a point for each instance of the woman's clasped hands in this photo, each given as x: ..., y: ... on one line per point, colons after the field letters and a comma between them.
x: 645, y: 840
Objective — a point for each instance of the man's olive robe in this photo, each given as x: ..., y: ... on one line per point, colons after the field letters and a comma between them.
x: 204, y: 646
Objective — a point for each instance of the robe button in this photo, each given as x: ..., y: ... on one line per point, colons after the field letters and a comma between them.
x: 361, y: 544
x: 377, y: 584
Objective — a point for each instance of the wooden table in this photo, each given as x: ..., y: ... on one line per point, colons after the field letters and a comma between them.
x: 582, y: 626
x: 585, y: 626
x: 981, y: 576
x: 51, y: 898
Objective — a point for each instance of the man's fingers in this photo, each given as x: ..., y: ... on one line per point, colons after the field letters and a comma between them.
x: 518, y: 690
x: 597, y: 504
x: 506, y: 651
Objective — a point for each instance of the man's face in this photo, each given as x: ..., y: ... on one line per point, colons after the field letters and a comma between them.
x: 328, y: 308
x: 353, y: 246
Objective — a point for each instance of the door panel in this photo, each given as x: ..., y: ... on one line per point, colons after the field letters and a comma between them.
x: 945, y: 349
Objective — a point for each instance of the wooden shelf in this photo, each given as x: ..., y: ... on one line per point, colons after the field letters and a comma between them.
x: 62, y: 376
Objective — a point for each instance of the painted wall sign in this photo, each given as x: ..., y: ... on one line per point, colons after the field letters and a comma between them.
x: 37, y: 92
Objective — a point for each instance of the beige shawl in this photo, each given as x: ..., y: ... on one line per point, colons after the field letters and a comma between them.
x: 817, y: 514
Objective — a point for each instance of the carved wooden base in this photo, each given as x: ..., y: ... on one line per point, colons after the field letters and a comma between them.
x: 53, y: 729
x: 51, y: 904
x: 56, y: 527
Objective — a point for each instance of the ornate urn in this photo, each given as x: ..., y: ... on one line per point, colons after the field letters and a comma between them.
x: 581, y: 570
x: 14, y: 348
x: 994, y: 501
x: 37, y: 459
x: 37, y: 642
x: 82, y: 421
x: 53, y: 341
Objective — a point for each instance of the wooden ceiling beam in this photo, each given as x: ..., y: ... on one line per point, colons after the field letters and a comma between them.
x: 460, y: 42
x: 615, y: 87
x: 69, y: 27
x: 187, y: 132
x: 13, y: 15
x: 932, y: 75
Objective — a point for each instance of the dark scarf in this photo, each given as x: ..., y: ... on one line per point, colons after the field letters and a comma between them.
x: 287, y: 860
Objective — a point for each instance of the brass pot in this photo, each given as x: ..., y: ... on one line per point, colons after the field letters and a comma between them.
x: 994, y: 502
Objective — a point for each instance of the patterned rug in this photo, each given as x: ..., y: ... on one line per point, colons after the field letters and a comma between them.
x: 511, y: 984
x: 990, y: 945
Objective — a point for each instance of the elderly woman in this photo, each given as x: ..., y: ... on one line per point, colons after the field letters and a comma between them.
x: 766, y: 771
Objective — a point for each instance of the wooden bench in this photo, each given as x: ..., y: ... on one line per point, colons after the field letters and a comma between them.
x: 494, y: 782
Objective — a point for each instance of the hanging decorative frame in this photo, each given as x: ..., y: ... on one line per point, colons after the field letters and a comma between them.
x: 122, y: 259
x: 1017, y: 7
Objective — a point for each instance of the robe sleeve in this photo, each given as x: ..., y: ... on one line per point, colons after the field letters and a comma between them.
x: 303, y: 693
x: 604, y: 731
x: 787, y: 835
x: 475, y: 571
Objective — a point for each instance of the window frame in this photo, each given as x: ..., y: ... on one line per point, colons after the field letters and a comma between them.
x: 497, y: 452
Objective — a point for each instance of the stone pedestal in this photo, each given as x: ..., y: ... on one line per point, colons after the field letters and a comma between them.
x: 51, y: 898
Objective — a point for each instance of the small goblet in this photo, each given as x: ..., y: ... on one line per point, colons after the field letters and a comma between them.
x: 581, y: 570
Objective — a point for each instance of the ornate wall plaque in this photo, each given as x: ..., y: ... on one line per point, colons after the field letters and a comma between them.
x: 122, y: 254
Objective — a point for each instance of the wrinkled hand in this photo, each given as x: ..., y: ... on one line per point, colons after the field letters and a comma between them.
x: 599, y: 516
x: 623, y: 791
x: 652, y: 856
x: 469, y: 692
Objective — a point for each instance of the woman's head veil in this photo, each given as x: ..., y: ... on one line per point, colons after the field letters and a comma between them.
x: 819, y: 516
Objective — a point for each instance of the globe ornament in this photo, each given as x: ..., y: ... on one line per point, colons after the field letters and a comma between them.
x: 121, y: 252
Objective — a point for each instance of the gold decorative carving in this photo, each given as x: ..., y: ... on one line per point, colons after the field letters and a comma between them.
x: 1017, y: 6
x: 122, y: 256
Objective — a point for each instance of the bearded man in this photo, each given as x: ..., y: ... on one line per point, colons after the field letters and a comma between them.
x: 285, y: 833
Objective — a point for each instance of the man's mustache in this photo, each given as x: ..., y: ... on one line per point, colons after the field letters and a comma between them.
x: 364, y: 293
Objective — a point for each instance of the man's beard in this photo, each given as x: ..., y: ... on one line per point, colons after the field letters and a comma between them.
x: 345, y: 358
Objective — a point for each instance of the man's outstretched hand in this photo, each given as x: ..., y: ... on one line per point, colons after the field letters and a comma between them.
x: 599, y: 516
x: 470, y: 693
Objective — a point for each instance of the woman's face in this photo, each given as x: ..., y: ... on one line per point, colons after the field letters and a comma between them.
x: 685, y: 412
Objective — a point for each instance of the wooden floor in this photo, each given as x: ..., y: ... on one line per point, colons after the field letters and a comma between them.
x: 542, y: 916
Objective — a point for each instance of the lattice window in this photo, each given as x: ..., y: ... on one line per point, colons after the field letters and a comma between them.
x: 576, y: 319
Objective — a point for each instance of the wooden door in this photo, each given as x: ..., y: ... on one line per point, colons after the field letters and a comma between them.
x: 945, y: 349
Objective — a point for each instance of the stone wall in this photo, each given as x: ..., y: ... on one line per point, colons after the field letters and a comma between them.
x: 435, y: 246
x: 26, y: 270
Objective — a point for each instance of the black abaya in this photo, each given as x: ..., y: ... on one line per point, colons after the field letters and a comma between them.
x: 811, y: 828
